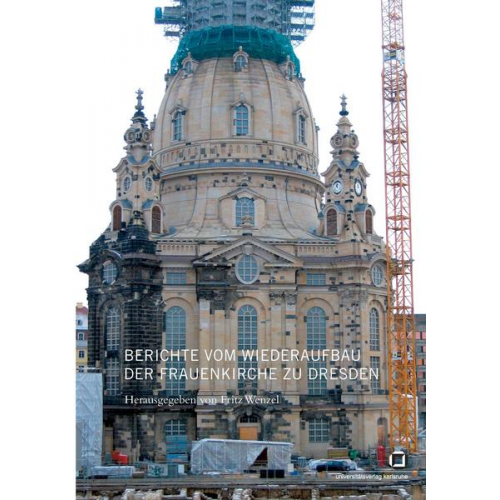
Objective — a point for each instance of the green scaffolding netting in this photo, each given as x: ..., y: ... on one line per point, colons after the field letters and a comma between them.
x: 224, y: 41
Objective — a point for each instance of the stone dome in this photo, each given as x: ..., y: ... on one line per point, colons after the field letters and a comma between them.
x: 205, y: 94
x: 236, y: 130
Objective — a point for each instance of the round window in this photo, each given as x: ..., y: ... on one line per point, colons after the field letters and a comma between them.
x: 247, y: 269
x: 148, y: 183
x: 127, y: 182
x: 377, y: 275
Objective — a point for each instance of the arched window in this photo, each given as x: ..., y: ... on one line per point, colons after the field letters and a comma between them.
x: 188, y: 67
x: 117, y: 218
x: 177, y: 126
x: 331, y: 222
x: 175, y: 328
x: 109, y: 272
x: 241, y: 120
x: 245, y: 211
x: 240, y: 63
x: 175, y: 339
x: 374, y: 330
x: 301, y: 129
x: 316, y: 328
x: 290, y: 71
x: 369, y: 221
x: 112, y: 329
x: 156, y: 220
x: 247, y: 328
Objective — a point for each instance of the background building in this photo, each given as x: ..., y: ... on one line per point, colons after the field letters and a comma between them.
x: 223, y: 236
x: 81, y: 335
x: 420, y: 340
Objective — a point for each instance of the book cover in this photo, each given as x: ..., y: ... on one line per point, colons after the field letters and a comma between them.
x: 249, y: 316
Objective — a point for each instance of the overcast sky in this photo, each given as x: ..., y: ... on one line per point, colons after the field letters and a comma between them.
x: 118, y: 48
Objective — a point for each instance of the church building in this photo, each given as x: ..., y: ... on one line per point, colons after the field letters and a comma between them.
x: 225, y: 234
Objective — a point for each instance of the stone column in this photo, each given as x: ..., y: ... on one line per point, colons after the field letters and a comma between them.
x: 291, y: 332
x: 205, y: 343
x: 347, y: 312
x: 220, y: 387
x: 276, y: 334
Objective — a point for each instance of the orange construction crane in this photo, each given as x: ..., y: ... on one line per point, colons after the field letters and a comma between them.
x: 401, y: 319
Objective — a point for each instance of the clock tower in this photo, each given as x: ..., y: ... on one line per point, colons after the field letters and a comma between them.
x: 347, y: 214
x: 138, y: 177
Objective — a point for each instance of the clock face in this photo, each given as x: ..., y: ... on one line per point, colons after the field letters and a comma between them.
x: 337, y: 140
x: 337, y: 187
x: 146, y: 136
x: 358, y: 187
x: 354, y: 141
x: 130, y: 135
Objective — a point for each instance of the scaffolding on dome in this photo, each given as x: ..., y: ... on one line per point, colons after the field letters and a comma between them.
x: 224, y: 41
x: 292, y: 18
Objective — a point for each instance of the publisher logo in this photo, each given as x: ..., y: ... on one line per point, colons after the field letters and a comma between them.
x: 397, y: 460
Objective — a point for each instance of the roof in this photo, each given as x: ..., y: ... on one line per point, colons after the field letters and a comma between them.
x: 352, y: 165
x: 266, y: 88
x: 337, y: 206
x: 143, y: 160
x: 361, y: 207
x: 225, y: 40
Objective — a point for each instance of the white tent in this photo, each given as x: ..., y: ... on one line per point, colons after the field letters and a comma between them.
x: 230, y: 456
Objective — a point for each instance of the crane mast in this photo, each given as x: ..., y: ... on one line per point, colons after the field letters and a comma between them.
x: 401, y: 319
